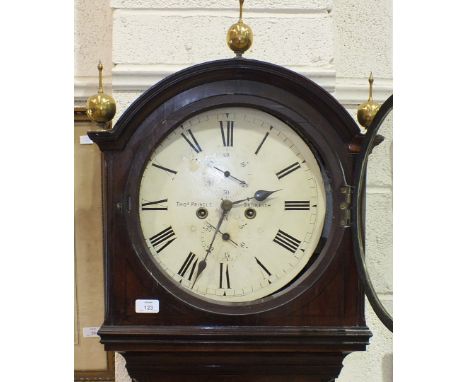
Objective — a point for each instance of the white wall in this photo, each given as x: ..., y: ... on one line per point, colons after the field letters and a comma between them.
x: 335, y: 43
x: 93, y: 42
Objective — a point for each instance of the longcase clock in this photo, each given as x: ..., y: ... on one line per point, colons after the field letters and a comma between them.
x: 227, y: 190
x: 229, y: 225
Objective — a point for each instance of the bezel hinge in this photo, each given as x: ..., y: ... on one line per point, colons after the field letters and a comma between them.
x: 345, y: 205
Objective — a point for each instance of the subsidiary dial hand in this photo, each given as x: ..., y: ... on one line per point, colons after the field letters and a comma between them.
x: 226, y: 205
x: 225, y: 236
x: 227, y: 174
x: 259, y: 196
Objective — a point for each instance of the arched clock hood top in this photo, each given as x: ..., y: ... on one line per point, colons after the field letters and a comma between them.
x: 225, y: 70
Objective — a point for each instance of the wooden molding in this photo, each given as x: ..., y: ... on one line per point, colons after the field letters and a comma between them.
x: 98, y: 375
x: 80, y: 114
x: 138, y: 78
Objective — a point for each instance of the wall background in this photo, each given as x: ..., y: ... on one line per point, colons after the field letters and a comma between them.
x: 336, y: 43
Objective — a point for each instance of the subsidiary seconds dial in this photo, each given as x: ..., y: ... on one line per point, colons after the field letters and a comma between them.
x: 232, y: 205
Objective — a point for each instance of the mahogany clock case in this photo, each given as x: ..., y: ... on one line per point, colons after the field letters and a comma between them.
x: 321, y: 310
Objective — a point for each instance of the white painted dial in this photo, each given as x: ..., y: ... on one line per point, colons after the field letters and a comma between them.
x: 230, y: 154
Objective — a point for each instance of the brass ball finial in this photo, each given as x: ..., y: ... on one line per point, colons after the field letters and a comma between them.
x: 101, y: 106
x: 239, y: 36
x: 367, y: 110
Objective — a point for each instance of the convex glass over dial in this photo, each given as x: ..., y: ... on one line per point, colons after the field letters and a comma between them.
x: 232, y: 204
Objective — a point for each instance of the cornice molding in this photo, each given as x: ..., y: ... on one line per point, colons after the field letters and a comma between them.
x: 259, y: 6
x: 354, y: 91
x: 86, y: 86
x: 138, y: 78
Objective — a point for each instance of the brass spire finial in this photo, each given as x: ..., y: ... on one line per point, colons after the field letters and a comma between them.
x: 371, y: 83
x: 367, y: 110
x: 240, y: 36
x: 101, y: 106
x: 100, y: 67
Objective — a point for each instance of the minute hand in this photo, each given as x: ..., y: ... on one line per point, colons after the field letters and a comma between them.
x: 202, y: 264
x: 259, y: 196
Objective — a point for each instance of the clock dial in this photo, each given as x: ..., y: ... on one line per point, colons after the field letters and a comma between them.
x: 232, y: 204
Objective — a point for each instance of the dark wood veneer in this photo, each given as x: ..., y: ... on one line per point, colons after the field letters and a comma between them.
x: 302, y: 333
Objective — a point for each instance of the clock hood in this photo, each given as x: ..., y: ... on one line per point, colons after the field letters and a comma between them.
x: 225, y: 70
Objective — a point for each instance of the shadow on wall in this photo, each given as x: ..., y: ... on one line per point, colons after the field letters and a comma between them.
x: 387, y: 368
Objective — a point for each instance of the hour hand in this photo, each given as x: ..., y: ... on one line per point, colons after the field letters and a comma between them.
x: 259, y: 196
